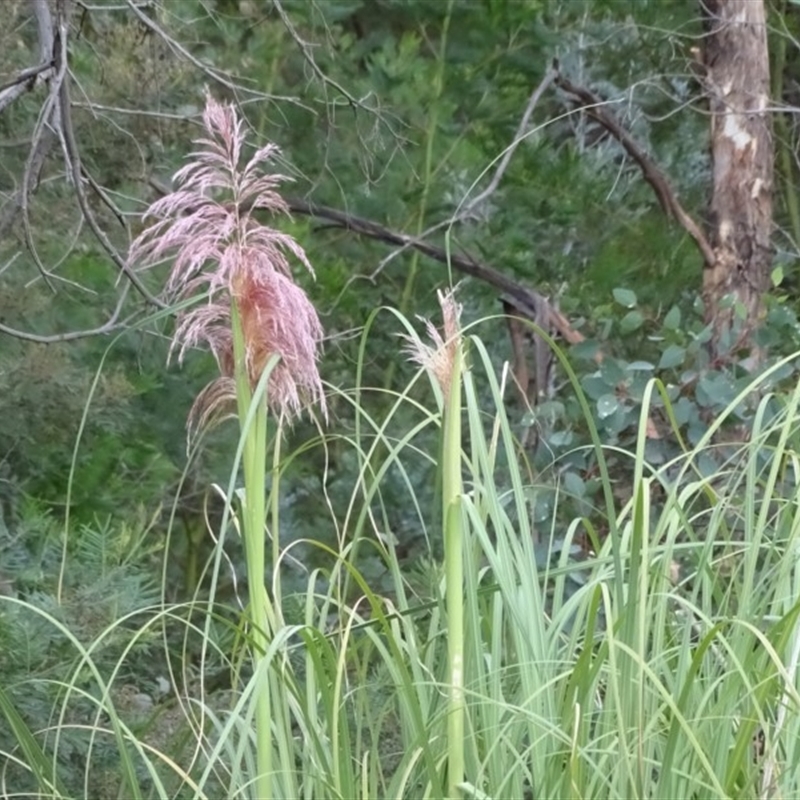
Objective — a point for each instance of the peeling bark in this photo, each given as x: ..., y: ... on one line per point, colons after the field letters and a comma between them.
x: 737, y: 83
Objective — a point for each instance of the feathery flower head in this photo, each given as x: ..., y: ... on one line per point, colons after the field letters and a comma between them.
x: 218, y: 248
x: 439, y: 357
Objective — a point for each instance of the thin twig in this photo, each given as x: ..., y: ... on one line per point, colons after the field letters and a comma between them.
x: 107, y: 327
x: 536, y: 95
x: 74, y: 160
x: 305, y: 49
x: 210, y: 72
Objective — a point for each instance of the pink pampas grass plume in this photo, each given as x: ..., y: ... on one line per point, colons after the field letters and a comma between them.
x: 218, y: 248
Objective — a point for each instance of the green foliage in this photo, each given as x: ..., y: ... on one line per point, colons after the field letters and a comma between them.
x: 630, y: 624
x: 647, y: 668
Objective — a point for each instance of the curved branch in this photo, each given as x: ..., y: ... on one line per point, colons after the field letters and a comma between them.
x: 528, y: 302
x: 77, y: 173
x: 107, y: 327
x: 595, y: 107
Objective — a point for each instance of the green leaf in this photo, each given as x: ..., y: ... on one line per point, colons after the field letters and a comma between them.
x: 560, y: 439
x: 673, y: 319
x: 574, y: 484
x: 777, y: 274
x: 625, y: 297
x: 607, y: 405
x: 631, y: 322
x: 613, y: 371
x: 672, y: 357
x: 595, y: 385
x: 586, y: 349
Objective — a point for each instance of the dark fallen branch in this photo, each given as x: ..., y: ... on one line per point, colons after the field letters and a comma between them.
x: 527, y: 302
x: 596, y: 108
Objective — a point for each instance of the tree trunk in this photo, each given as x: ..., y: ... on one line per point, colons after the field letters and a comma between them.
x: 737, y: 81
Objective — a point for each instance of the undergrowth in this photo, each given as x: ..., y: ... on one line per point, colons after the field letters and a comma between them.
x: 663, y: 663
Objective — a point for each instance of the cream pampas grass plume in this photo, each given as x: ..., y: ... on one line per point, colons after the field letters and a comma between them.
x: 218, y: 248
x: 439, y: 356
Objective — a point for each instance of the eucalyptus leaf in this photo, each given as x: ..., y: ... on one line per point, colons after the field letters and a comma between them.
x: 587, y: 349
x: 625, y: 297
x: 672, y: 357
x: 631, y: 322
x: 673, y: 319
x: 607, y: 405
x: 574, y: 484
x: 596, y: 385
x: 613, y: 371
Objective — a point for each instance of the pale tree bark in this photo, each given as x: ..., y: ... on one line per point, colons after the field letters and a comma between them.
x: 737, y: 82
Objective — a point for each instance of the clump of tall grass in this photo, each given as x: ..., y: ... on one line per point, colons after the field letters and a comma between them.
x: 663, y: 664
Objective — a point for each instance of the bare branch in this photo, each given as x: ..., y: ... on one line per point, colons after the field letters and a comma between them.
x: 305, y: 49
x: 525, y: 300
x: 595, y: 107
x: 215, y: 74
x: 110, y: 325
x: 74, y: 161
x: 25, y: 80
x: 48, y: 123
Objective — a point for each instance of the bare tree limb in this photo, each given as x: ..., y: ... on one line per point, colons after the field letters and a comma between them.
x: 25, y: 80
x: 109, y: 326
x: 43, y: 138
x: 595, y: 107
x: 48, y: 125
x: 525, y: 300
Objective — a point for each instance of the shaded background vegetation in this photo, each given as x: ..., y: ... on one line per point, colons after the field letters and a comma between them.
x: 396, y: 112
x: 393, y: 111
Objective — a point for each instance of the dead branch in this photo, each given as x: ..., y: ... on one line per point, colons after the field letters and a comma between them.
x: 596, y: 108
x: 43, y: 137
x: 109, y: 326
x: 525, y: 300
x: 25, y: 80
